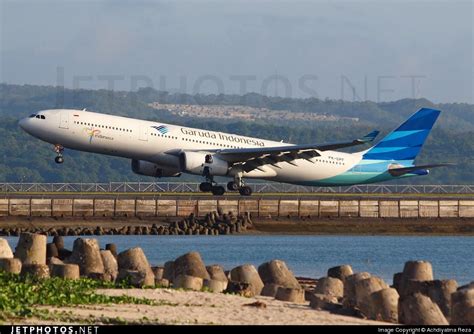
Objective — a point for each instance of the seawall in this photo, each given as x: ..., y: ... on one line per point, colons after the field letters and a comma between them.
x: 258, y: 207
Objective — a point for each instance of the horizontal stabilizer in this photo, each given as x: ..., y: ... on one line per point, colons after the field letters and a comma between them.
x: 415, y: 169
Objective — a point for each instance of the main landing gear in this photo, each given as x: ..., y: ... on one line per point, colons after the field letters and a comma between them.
x: 210, y: 185
x: 243, y: 190
x: 59, y: 154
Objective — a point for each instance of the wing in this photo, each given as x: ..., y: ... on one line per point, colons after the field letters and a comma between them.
x: 253, y: 158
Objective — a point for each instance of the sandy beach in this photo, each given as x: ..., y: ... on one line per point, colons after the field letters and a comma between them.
x: 189, y: 307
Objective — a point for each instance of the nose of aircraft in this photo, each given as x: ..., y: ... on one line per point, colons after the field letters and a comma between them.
x: 23, y: 123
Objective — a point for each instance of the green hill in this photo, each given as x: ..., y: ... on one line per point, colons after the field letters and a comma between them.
x: 25, y: 159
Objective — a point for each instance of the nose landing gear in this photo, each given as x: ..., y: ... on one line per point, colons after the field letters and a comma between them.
x: 59, y: 154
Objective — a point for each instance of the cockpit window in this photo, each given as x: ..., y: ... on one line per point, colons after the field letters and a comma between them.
x: 37, y: 116
x: 42, y: 117
x: 32, y: 115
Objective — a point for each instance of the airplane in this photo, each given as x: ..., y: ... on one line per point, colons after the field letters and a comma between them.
x: 165, y: 150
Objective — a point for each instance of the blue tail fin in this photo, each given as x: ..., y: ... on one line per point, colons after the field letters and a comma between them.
x: 406, y: 141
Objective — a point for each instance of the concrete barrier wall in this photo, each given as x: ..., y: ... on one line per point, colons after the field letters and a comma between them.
x: 88, y: 207
x: 41, y: 207
x: 62, y: 207
x: 104, y: 207
x: 4, y: 207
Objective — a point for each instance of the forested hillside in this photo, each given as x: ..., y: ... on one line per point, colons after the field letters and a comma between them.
x: 23, y: 158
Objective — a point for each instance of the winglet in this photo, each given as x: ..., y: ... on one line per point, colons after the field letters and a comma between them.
x: 369, y: 137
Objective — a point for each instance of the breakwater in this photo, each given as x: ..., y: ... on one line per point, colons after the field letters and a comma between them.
x: 415, y: 297
x: 257, y: 207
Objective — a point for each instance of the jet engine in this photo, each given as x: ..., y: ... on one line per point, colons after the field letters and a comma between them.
x: 196, y: 162
x: 150, y: 169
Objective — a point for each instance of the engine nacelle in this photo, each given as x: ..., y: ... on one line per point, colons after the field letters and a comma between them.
x: 150, y: 169
x: 195, y: 162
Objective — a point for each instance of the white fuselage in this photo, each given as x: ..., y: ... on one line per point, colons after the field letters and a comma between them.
x: 154, y: 141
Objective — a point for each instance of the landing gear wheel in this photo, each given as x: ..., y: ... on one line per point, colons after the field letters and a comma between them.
x: 205, y: 187
x: 59, y: 154
x: 245, y: 191
x: 232, y: 186
x: 218, y: 190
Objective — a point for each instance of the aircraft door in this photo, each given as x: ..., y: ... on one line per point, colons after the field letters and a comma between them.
x: 64, y: 120
x: 143, y: 133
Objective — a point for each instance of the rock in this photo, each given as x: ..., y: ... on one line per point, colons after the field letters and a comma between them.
x: 340, y: 272
x: 52, y: 261
x: 216, y: 272
x: 64, y: 253
x: 415, y: 270
x: 270, y: 290
x: 59, y: 242
x: 419, y: 310
x: 162, y: 283
x: 135, y: 259
x: 190, y: 264
x: 215, y: 285
x: 5, y: 250
x: 112, y: 248
x: 35, y: 269
x: 290, y: 295
x: 439, y: 292
x: 10, y: 265
x: 168, y: 271
x: 158, y: 272
x: 462, y: 311
x: 330, y: 286
x: 466, y: 286
x: 349, y: 300
x: 136, y: 278
x: 364, y: 288
x: 418, y: 270
x: 86, y: 254
x: 276, y: 272
x: 51, y: 250
x: 384, y: 305
x: 240, y: 288
x: 66, y: 271
x: 323, y: 302
x: 188, y: 282
x: 110, y: 264
x: 31, y: 248
x: 247, y: 274
x: 397, y: 278
x: 100, y: 277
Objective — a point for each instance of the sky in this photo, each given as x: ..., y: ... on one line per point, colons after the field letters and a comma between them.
x: 352, y: 50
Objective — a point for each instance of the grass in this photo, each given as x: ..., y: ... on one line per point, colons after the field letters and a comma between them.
x: 21, y: 296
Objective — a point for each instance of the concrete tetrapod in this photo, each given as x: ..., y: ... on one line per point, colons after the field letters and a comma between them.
x: 135, y: 260
x: 31, y: 248
x: 5, y: 250
x: 340, y: 272
x: 419, y: 309
x: 86, y: 254
x: 247, y: 274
